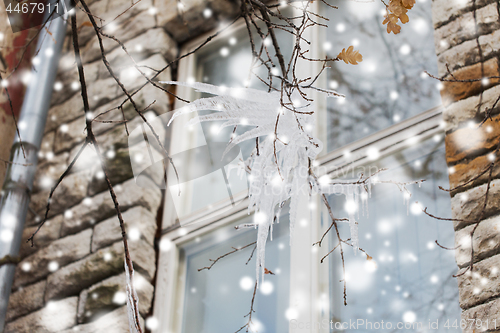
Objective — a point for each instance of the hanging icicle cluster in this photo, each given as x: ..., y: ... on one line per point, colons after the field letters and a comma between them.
x: 280, y: 169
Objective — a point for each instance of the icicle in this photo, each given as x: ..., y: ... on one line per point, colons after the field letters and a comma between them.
x: 406, y: 199
x: 240, y: 93
x: 294, y: 201
x: 364, y: 201
x: 287, y: 149
x: 368, y: 186
x: 262, y: 234
x: 352, y: 221
x: 356, y: 189
x: 278, y: 213
x: 293, y: 215
x: 246, y: 225
x: 271, y: 232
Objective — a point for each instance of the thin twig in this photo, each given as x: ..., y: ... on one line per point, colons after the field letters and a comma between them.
x: 235, y: 249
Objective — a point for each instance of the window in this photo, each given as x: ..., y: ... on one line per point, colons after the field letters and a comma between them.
x: 400, y: 109
x: 217, y: 300
x: 410, y: 277
x: 391, y: 119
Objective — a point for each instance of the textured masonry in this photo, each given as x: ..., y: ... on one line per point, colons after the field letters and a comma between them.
x: 470, y: 147
x: 72, y: 279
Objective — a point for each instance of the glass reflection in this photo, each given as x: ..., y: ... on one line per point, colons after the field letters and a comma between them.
x: 410, y: 277
x: 217, y: 300
x: 227, y: 62
x: 389, y: 85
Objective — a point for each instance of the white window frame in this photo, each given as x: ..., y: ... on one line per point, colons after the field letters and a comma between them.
x: 309, y: 279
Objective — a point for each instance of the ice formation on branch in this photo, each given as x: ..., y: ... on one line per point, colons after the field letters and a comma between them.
x: 354, y: 193
x: 280, y: 167
x: 132, y: 301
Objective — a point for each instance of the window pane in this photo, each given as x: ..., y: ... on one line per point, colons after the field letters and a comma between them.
x: 228, y: 63
x: 389, y: 85
x: 410, y: 277
x: 216, y: 300
x: 230, y: 68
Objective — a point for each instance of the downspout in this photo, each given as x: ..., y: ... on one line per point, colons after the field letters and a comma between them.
x: 18, y: 182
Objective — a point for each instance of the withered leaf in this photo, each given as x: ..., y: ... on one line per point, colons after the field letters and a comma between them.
x: 408, y: 3
x: 350, y: 56
x: 392, y: 24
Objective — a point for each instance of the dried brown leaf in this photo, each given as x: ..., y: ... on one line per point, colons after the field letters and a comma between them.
x: 350, y: 56
x: 85, y: 24
x: 392, y: 24
x: 266, y: 271
x: 404, y: 18
x: 408, y: 4
x: 397, y: 11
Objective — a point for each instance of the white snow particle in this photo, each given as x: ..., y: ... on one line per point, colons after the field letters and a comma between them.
x: 134, y: 234
x: 207, y: 13
x: 409, y: 317
x: 165, y: 245
x: 58, y: 86
x: 152, y: 323
x: 26, y: 267
x: 68, y: 214
x: 291, y: 314
x: 246, y: 283
x: 266, y: 287
x: 224, y: 51
x: 53, y: 266
x: 119, y: 298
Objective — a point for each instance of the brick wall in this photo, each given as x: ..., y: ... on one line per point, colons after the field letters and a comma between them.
x: 469, y: 148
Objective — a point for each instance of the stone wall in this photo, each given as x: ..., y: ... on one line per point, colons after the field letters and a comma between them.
x: 73, y: 278
x: 470, y: 148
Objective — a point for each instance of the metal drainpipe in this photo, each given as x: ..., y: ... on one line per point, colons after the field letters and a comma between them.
x: 18, y: 183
